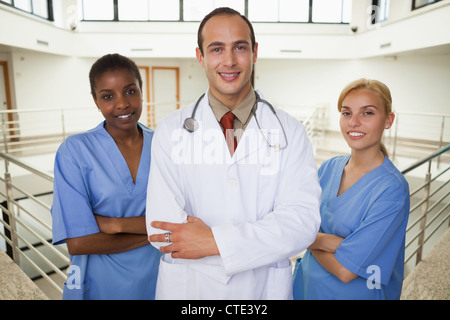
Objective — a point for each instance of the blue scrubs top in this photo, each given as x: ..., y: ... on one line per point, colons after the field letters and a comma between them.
x: 91, y: 176
x: 372, y: 216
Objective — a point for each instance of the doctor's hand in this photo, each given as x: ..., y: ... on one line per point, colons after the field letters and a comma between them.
x: 191, y: 240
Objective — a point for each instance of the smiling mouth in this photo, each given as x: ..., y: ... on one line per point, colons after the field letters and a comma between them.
x: 356, y: 134
x: 125, y: 116
x: 229, y: 76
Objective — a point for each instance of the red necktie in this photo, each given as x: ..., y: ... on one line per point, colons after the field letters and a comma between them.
x: 227, y: 123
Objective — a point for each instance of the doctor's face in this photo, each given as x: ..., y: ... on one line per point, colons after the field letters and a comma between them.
x: 228, y: 57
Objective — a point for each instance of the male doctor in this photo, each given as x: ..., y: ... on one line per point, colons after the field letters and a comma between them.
x: 229, y: 212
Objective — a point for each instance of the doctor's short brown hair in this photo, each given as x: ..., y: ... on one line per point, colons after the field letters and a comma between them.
x: 223, y: 11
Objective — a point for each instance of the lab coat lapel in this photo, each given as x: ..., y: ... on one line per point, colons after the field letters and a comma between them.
x: 210, y: 136
x: 250, y: 142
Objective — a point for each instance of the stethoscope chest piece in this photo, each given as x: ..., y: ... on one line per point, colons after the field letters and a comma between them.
x: 190, y: 124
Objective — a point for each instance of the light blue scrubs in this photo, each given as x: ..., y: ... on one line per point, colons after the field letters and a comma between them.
x: 372, y: 216
x: 91, y: 176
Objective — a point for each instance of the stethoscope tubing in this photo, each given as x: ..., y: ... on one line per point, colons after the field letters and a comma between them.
x: 190, y: 124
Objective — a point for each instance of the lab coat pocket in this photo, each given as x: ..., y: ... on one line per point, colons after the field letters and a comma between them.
x: 172, y: 280
x: 279, y: 285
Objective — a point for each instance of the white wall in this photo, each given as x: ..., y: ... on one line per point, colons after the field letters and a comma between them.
x: 51, y: 81
x: 418, y: 83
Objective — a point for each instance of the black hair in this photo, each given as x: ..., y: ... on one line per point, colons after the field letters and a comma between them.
x: 225, y: 11
x: 111, y: 62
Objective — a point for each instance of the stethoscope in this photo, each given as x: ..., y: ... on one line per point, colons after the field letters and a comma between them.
x: 190, y: 124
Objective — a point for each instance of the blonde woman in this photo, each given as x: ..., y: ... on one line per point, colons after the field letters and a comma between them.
x: 359, y: 250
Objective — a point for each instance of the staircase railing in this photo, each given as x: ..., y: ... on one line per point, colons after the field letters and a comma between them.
x: 26, y: 223
x: 429, y: 212
x: 419, y: 130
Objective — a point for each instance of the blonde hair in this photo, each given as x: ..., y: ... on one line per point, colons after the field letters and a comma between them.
x: 376, y: 86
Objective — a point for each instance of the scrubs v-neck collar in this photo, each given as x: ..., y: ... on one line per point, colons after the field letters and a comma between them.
x: 340, y: 172
x: 120, y: 164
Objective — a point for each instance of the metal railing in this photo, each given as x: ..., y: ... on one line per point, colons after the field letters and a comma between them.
x: 37, y: 130
x: 429, y: 213
x: 26, y: 222
x: 423, y: 130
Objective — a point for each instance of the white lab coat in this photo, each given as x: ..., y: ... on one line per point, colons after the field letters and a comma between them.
x: 262, y: 204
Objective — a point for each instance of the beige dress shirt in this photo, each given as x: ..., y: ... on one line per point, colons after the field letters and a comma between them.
x: 243, y: 112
